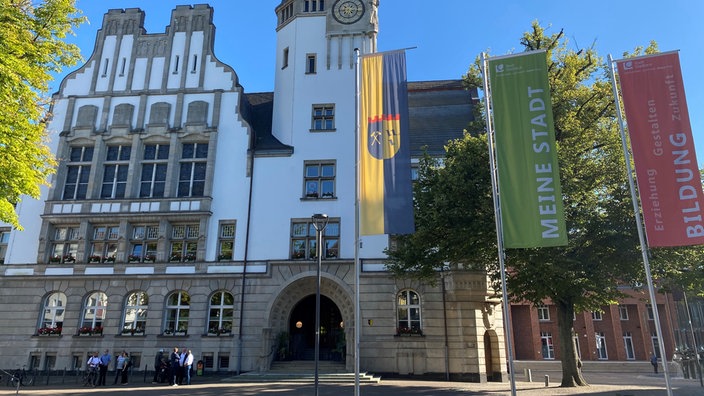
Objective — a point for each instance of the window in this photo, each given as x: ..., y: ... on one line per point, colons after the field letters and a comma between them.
x: 64, y: 245
x: 4, y: 240
x: 284, y: 60
x: 226, y: 241
x: 105, y: 67
x: 52, y: 320
x: 286, y: 13
x: 601, y: 353
x: 144, y: 243
x: 117, y: 165
x: 78, y: 172
x: 184, y: 242
x: 195, y: 64
x: 176, y: 59
x: 628, y: 345
x: 104, y: 243
x: 122, y: 68
x: 656, y: 345
x: 649, y: 308
x: 223, y: 362
x: 547, y: 347
x: 191, y: 181
x: 623, y: 312
x: 177, y: 310
x: 134, y: 320
x: 303, y: 243
x: 313, y: 5
x: 408, y: 312
x: 153, y: 180
x: 323, y: 117
x: 94, y: 310
x: 597, y: 315
x: 310, y: 64
x: 543, y: 313
x: 319, y: 179
x: 221, y: 313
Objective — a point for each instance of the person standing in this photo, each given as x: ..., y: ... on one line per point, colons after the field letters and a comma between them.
x: 104, y: 363
x: 174, y: 359
x: 92, y: 366
x: 125, y: 368
x: 181, y: 361
x: 654, y: 362
x: 119, y: 365
x: 187, y: 364
x: 158, y: 365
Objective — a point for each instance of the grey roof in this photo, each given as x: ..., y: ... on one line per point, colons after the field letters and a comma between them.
x: 438, y: 111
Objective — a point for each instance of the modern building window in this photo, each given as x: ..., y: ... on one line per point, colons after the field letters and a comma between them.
x: 323, y: 117
x: 319, y: 179
x: 303, y: 240
x: 226, y: 241
x: 4, y: 240
x: 408, y: 312
x: 104, y: 244
x: 547, y: 346
x: 115, y: 174
x: 77, y: 173
x: 64, y: 245
x: 191, y: 181
x: 177, y: 310
x: 623, y: 312
x: 143, y: 243
x: 628, y: 345
x: 184, y: 242
x: 597, y: 315
x: 134, y: 320
x: 52, y: 320
x: 94, y: 311
x: 154, y: 165
x: 310, y: 64
x: 543, y: 313
x: 221, y: 313
x: 601, y: 353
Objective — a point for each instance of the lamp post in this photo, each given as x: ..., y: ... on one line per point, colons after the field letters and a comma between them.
x: 320, y: 221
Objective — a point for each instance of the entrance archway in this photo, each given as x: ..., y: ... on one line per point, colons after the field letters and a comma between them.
x: 302, y: 330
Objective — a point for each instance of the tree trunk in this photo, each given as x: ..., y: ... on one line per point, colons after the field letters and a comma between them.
x: 571, y: 367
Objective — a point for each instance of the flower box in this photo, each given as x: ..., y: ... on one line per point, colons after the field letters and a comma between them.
x: 49, y: 331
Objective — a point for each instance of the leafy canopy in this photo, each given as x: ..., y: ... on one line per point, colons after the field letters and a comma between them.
x: 31, y: 49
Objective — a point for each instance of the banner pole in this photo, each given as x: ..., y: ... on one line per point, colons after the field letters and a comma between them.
x: 357, y: 241
x: 639, y: 226
x: 499, y: 230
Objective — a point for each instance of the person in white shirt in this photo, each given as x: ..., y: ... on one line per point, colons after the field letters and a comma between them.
x: 187, y: 364
x: 92, y: 364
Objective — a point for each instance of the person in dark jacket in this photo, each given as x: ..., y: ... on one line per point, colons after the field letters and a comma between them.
x: 158, y: 365
x: 175, y: 365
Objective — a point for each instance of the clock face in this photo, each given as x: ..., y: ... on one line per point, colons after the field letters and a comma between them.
x: 348, y: 11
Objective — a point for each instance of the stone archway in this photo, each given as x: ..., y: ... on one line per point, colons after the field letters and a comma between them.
x: 492, y: 356
x: 302, y: 330
x: 297, y: 289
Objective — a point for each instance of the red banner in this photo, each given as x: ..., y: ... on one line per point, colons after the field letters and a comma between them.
x: 663, y: 149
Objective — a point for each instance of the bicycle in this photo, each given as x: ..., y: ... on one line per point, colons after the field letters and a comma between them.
x: 90, y: 377
x: 20, y: 378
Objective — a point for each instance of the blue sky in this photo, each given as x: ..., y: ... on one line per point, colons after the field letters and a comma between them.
x: 450, y: 34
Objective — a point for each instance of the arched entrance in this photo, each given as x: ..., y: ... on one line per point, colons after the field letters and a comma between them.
x: 492, y: 359
x: 301, y: 328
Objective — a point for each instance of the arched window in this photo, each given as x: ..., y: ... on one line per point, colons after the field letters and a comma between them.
x: 52, y: 320
x: 94, y: 310
x: 408, y: 312
x: 220, y: 313
x: 177, y: 310
x: 134, y: 320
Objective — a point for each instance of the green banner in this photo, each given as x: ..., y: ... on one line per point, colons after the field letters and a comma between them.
x: 532, y: 214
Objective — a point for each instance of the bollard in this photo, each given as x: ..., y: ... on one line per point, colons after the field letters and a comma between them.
x: 547, y: 380
x: 528, y: 374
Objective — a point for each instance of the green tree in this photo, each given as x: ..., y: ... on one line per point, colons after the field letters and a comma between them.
x: 455, y: 223
x: 31, y: 49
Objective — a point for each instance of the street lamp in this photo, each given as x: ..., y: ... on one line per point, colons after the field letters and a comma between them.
x: 320, y: 221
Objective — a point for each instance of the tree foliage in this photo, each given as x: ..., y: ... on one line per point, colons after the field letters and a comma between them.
x: 455, y: 217
x: 31, y: 49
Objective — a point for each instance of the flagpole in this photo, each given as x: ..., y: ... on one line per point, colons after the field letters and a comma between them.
x: 639, y: 226
x: 357, y: 269
x: 499, y: 230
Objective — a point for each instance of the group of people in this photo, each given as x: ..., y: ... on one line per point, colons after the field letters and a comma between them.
x: 175, y: 368
x: 97, y: 366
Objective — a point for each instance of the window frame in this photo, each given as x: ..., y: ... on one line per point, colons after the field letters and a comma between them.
x: 184, y: 247
x: 115, y: 171
x: 543, y: 313
x: 193, y: 170
x: 137, y: 301
x: 154, y: 168
x: 181, y: 306
x: 318, y: 183
x: 64, y: 244
x: 95, y: 304
x: 104, y: 249
x: 53, y: 313
x: 221, y: 315
x: 623, y: 312
x: 602, y: 352
x: 322, y: 117
x: 144, y: 245
x: 227, y: 232
x: 408, y: 313
x: 78, y: 168
x: 303, y: 247
x: 547, y: 345
x: 311, y: 63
